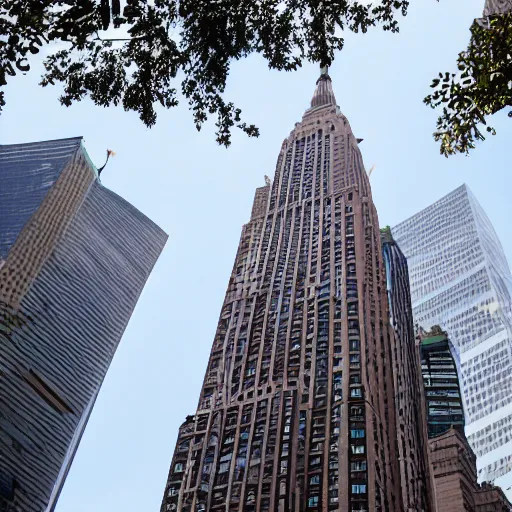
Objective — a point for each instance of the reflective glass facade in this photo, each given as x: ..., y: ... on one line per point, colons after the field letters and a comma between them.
x: 441, y: 383
x: 74, y: 258
x: 461, y: 281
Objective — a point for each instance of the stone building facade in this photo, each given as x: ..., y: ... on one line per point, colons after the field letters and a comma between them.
x: 455, y: 478
x: 297, y: 408
x: 490, y: 498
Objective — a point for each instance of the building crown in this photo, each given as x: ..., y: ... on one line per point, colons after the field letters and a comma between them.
x: 324, y: 95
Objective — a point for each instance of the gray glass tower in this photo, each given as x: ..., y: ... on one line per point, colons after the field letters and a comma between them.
x: 74, y: 258
x: 461, y: 281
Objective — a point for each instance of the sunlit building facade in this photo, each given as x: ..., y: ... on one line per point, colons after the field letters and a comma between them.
x: 461, y: 281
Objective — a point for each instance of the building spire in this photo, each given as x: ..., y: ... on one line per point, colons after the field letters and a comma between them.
x: 324, y: 94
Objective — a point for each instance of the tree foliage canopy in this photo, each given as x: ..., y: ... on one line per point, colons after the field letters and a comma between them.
x: 164, y: 45
x: 481, y: 87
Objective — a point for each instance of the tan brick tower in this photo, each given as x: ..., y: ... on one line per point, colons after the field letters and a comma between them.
x: 74, y: 258
x: 297, y: 410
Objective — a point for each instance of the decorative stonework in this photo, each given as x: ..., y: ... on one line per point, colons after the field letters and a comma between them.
x: 493, y: 7
x: 297, y: 407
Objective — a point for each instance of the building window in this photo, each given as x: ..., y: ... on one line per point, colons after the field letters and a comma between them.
x: 358, y: 465
x: 358, y: 489
x: 224, y: 467
x: 357, y: 433
x: 357, y: 449
x: 313, y: 501
x: 355, y: 378
x: 251, y: 497
x: 356, y: 411
x: 356, y: 393
x: 354, y: 344
x: 315, y: 480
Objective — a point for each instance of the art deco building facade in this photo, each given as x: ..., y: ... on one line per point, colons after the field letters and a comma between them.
x: 74, y: 258
x: 413, y: 448
x: 297, y: 407
x: 461, y: 281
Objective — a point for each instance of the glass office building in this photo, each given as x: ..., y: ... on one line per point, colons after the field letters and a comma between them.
x: 461, y: 281
x: 74, y: 258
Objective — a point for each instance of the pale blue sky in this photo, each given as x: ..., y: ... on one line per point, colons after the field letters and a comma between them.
x: 201, y: 194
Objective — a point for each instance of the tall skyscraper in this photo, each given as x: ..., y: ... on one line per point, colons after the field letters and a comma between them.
x: 413, y: 448
x: 460, y: 280
x: 74, y: 258
x: 297, y: 410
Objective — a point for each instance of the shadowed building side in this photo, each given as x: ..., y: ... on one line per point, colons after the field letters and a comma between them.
x: 411, y: 425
